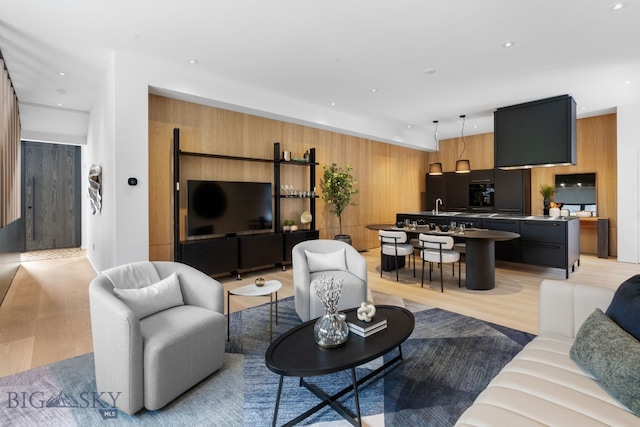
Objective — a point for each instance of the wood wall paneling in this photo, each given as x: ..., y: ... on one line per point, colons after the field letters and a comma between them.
x: 390, y: 178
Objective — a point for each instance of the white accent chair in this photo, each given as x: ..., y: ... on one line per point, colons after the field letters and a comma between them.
x: 153, y: 357
x: 313, y: 258
x: 394, y: 243
x: 438, y: 249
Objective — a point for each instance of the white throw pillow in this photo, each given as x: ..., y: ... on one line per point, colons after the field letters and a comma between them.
x: 330, y: 261
x: 153, y: 298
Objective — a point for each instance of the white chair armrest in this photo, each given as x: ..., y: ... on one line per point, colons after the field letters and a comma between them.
x: 117, y: 341
x: 197, y: 288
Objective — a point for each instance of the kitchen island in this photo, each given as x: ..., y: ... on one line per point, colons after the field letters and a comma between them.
x: 545, y: 241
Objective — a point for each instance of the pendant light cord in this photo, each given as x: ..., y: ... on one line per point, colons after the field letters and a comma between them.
x: 464, y: 147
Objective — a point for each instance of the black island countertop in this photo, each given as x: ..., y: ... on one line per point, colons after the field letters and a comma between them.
x: 446, y: 214
x: 544, y: 240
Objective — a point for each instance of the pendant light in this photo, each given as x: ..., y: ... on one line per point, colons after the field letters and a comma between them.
x: 463, y: 165
x: 436, y: 167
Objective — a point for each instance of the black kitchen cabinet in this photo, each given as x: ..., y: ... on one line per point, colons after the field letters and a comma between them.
x: 550, y: 243
x: 508, y: 250
x: 436, y: 189
x: 512, y: 191
x: 482, y: 176
x: 457, y: 185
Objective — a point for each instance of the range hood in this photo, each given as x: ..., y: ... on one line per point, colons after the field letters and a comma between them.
x: 537, y: 133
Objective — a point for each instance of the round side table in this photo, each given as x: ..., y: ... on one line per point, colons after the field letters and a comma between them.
x: 270, y: 288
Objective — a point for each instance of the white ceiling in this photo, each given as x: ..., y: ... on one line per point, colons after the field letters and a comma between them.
x: 337, y: 51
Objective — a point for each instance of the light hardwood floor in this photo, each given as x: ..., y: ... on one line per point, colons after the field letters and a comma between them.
x: 45, y: 315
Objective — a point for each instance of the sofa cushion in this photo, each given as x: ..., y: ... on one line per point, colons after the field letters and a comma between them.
x: 612, y: 356
x: 625, y: 306
x: 329, y: 261
x: 153, y: 298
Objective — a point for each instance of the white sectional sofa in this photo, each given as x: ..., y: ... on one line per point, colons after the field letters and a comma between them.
x: 542, y: 385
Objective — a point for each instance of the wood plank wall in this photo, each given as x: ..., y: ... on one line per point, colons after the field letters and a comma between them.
x: 10, y: 183
x: 390, y: 178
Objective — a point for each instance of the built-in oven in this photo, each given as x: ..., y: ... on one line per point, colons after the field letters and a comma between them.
x: 481, y: 196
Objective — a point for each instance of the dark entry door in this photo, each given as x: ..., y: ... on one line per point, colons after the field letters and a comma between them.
x: 51, y: 195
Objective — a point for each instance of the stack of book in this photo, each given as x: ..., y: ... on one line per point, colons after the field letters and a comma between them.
x: 365, y: 329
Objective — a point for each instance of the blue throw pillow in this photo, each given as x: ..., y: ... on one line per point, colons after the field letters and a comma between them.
x: 625, y: 306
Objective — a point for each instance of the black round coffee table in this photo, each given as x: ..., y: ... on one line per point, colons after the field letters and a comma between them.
x: 296, y: 354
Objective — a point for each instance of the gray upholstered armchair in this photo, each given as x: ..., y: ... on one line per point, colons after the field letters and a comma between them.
x: 158, y: 329
x: 313, y: 258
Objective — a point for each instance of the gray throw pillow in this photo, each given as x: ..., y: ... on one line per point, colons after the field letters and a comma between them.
x: 612, y: 356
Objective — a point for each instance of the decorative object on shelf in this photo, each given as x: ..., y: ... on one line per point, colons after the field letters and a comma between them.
x: 366, y: 312
x: 554, y: 212
x: 583, y: 214
x: 338, y: 188
x: 286, y: 155
x: 330, y: 329
x: 463, y: 165
x: 260, y: 281
x: 307, y: 156
x: 288, y: 225
x: 306, y: 218
x: 546, y: 191
x: 435, y: 168
x: 564, y: 212
x: 95, y: 188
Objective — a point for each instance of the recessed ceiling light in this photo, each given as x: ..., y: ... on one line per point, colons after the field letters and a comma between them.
x: 59, y: 104
x: 62, y: 73
x: 583, y: 108
x: 430, y: 71
x: 509, y: 44
x: 333, y: 104
x: 617, y: 6
x: 408, y: 126
x: 628, y: 82
x: 374, y: 90
x: 193, y: 61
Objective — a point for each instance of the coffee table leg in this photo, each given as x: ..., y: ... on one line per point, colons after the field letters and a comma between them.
x: 228, y: 314
x: 270, y: 317
x: 355, y: 395
x: 275, y: 413
x: 276, y: 307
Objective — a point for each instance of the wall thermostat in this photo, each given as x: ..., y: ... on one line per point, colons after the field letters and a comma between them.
x: 133, y: 181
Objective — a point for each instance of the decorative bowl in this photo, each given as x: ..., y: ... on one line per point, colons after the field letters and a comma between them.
x: 583, y: 214
x: 443, y: 227
x: 260, y: 281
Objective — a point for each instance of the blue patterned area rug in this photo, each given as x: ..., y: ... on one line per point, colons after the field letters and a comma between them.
x: 448, y: 360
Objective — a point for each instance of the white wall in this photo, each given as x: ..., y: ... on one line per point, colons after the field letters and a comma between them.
x: 629, y: 183
x: 99, y: 230
x: 49, y: 124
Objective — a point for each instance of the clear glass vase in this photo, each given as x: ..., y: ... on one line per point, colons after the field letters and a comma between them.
x: 330, y: 330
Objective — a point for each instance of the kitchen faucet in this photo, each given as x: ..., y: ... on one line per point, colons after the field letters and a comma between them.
x: 438, y: 200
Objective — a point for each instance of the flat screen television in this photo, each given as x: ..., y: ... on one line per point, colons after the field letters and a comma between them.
x: 221, y: 208
x: 538, y: 133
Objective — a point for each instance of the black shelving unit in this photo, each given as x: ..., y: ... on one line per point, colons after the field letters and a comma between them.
x: 199, y: 253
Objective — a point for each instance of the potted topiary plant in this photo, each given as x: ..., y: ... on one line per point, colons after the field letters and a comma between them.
x: 546, y: 191
x: 338, y: 188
